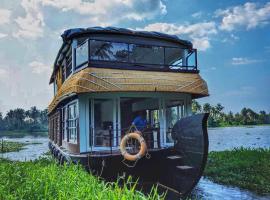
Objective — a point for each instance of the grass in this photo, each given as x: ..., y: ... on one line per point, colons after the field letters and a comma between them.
x: 244, y: 168
x: 9, y: 146
x: 22, y: 133
x: 44, y: 179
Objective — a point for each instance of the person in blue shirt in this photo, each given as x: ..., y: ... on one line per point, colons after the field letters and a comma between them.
x: 140, y: 121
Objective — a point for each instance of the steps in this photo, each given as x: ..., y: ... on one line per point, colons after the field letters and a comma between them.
x: 185, y: 167
x: 174, y: 157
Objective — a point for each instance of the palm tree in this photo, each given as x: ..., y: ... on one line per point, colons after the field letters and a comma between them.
x: 33, y: 113
x: 196, y: 107
x: 19, y: 115
x: 207, y: 108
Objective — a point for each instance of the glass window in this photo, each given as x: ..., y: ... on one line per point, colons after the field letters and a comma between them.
x: 173, y: 114
x: 72, y: 121
x: 146, y: 54
x: 103, y: 122
x: 64, y: 117
x: 173, y: 57
x: 82, y: 53
x: 68, y: 66
x: 108, y: 51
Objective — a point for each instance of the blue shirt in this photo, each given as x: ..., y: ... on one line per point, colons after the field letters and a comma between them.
x: 140, y: 123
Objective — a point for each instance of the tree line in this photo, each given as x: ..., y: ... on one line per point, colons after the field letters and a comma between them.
x: 219, y: 118
x: 18, y: 119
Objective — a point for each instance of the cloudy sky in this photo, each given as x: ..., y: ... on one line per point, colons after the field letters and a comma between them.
x: 232, y: 36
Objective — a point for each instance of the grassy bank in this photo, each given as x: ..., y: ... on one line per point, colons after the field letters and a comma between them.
x: 21, y: 133
x: 8, y: 146
x: 244, y: 168
x: 44, y: 179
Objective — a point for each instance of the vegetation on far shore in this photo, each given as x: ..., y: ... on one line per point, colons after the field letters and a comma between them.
x: 9, y: 146
x: 44, y: 179
x: 218, y: 118
x: 245, y: 168
x: 24, y: 122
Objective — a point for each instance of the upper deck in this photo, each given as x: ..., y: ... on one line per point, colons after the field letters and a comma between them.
x: 142, y: 61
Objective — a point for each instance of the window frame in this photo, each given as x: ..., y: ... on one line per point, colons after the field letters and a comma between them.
x: 73, y: 120
x: 141, y: 65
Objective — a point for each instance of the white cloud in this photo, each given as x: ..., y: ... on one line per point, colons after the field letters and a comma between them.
x: 244, y: 61
x: 197, y: 14
x: 107, y: 12
x: 32, y: 24
x: 249, y: 15
x: 39, y: 67
x: 4, y: 16
x: 199, y: 33
x: 2, y: 35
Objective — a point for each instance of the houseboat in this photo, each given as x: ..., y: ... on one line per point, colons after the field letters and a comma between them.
x: 122, y: 106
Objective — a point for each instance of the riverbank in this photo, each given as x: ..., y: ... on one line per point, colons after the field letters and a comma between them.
x: 44, y: 179
x: 238, y: 125
x: 22, y: 133
x: 243, y: 167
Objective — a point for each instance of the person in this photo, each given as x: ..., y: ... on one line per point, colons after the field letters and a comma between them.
x: 140, y: 121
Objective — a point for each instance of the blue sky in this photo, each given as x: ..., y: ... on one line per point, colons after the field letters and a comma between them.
x: 233, y: 39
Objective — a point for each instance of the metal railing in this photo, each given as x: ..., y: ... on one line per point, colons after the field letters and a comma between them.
x: 110, y: 137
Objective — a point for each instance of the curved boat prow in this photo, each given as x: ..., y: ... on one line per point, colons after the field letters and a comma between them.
x: 185, y: 165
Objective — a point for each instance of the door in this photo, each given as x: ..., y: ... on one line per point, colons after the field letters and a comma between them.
x: 103, y: 121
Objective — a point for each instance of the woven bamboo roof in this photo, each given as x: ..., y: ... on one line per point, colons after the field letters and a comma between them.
x: 116, y: 80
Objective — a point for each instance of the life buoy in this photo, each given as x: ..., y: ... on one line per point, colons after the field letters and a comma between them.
x: 143, y: 148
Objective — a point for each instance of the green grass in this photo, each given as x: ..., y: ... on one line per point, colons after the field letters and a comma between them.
x: 9, y: 146
x: 244, y: 168
x: 22, y: 133
x: 44, y: 179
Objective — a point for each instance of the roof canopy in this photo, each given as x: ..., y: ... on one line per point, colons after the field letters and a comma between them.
x: 77, y: 32
x: 115, y: 80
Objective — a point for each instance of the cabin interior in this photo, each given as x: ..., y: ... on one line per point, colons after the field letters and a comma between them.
x: 96, y: 121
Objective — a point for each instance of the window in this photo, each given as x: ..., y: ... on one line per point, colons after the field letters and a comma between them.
x: 174, y: 109
x: 103, y: 122
x: 134, y: 55
x: 63, y: 124
x: 68, y: 63
x: 82, y: 54
x: 146, y: 54
x: 174, y: 57
x: 108, y: 51
x: 72, y: 122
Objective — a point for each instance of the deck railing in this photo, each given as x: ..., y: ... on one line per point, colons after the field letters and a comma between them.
x: 110, y: 138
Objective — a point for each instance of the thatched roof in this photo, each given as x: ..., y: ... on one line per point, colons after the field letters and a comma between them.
x: 116, y: 80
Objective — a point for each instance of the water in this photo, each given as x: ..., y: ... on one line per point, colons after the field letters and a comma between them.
x: 231, y: 137
x: 219, y: 139
x: 31, y: 151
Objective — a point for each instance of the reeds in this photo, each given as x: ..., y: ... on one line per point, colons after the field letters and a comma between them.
x: 44, y: 179
x: 244, y: 167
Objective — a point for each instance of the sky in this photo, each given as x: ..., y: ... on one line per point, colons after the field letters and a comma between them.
x: 232, y: 38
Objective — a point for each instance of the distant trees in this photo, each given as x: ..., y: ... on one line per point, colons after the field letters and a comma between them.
x: 218, y: 118
x: 28, y: 120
